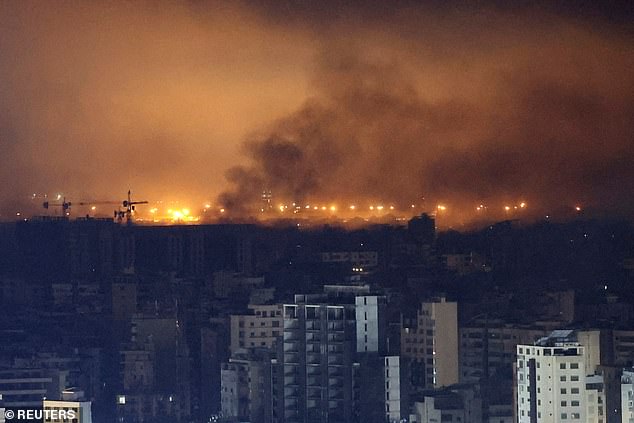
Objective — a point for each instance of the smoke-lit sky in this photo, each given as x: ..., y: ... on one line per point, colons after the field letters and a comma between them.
x: 319, y: 101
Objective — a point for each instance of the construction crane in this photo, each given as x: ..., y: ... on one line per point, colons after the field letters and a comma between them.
x: 130, y: 207
x: 64, y: 206
x: 119, y: 215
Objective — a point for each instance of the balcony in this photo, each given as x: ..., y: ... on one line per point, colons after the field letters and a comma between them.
x: 314, y: 393
x: 312, y: 369
x: 333, y: 405
x: 292, y: 358
x: 335, y: 326
x: 313, y: 358
x: 335, y: 360
x: 335, y: 371
x: 291, y: 324
x: 291, y: 346
x: 291, y: 381
x: 313, y: 381
x: 290, y: 404
x: 314, y: 326
x: 335, y: 382
x: 290, y: 393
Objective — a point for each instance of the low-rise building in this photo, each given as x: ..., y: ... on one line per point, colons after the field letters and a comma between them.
x: 455, y: 404
x: 258, y: 329
x: 71, y: 407
x: 27, y: 387
x: 246, y: 387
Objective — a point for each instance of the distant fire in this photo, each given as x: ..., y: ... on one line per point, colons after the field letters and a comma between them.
x: 448, y: 214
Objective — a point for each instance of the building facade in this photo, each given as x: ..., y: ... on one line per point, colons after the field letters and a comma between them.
x: 431, y: 341
x: 371, y: 324
x: 552, y: 384
x: 259, y: 329
x: 316, y: 363
x: 627, y: 396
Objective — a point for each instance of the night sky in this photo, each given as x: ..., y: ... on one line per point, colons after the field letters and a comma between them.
x: 462, y: 103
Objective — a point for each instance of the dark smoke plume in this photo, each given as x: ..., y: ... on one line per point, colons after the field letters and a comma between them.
x: 544, y: 117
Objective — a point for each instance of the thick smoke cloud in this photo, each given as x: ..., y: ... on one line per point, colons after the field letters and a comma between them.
x: 320, y: 101
x: 500, y: 111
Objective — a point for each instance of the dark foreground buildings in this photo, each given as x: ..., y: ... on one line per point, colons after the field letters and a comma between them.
x: 241, y: 322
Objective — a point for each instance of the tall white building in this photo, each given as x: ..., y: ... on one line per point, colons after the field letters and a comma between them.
x: 379, y: 376
x: 371, y: 328
x: 552, y: 384
x: 392, y: 384
x: 627, y: 396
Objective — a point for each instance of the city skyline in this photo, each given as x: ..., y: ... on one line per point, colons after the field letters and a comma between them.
x: 317, y: 211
